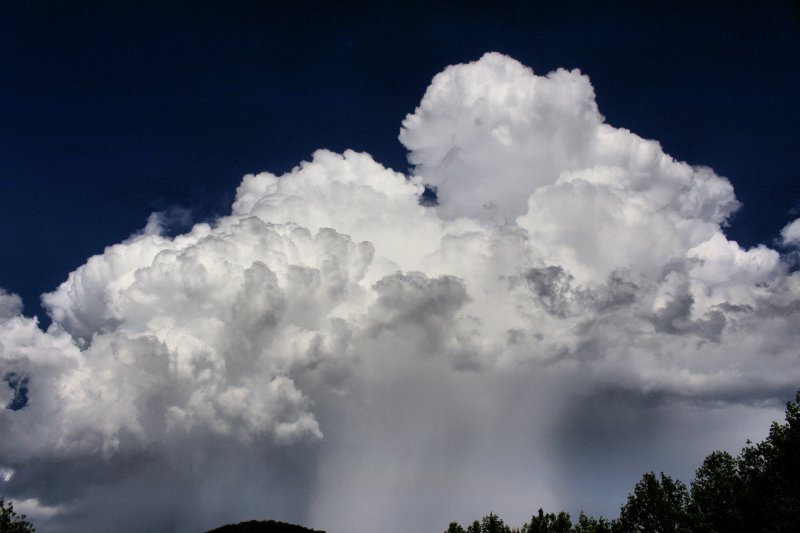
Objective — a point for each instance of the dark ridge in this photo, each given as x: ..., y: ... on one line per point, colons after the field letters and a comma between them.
x: 263, y: 526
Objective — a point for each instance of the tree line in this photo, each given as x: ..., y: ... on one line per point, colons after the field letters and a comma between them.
x: 757, y: 491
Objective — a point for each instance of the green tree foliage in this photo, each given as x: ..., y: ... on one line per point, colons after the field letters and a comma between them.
x: 656, y: 506
x: 716, y: 496
x: 491, y: 523
x: 548, y: 523
x: 589, y: 524
x: 10, y: 521
x: 474, y: 527
x: 455, y: 527
x: 770, y: 476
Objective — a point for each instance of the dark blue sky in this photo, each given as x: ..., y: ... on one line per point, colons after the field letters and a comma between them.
x: 109, y: 111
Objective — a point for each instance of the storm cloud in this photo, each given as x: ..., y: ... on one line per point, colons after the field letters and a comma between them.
x: 338, y: 353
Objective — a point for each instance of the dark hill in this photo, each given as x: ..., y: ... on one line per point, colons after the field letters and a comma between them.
x: 263, y: 526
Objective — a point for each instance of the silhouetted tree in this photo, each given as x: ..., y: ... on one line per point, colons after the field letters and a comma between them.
x: 589, y: 524
x: 770, y: 473
x: 548, y: 523
x: 716, y: 496
x: 656, y: 506
x: 491, y: 523
x: 10, y: 521
x: 474, y: 527
x: 455, y: 527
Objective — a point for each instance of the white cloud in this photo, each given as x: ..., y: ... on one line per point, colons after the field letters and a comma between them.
x: 34, y: 510
x: 791, y: 233
x: 10, y: 304
x: 334, y: 337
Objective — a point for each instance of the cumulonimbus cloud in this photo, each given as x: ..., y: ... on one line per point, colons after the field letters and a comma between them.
x: 334, y: 324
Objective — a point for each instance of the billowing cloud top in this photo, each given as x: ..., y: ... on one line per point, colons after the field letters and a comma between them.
x: 333, y: 336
